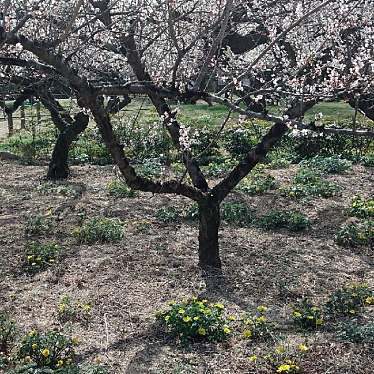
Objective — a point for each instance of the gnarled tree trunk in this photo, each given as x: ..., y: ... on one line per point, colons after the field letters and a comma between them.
x: 209, y: 210
x: 58, y: 167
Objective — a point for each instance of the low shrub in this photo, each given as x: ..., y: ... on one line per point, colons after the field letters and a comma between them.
x: 38, y: 225
x: 257, y: 184
x: 191, y: 213
x: 257, y: 325
x: 309, y: 183
x: 196, y: 319
x: 330, y: 165
x: 70, y: 310
x: 349, y: 300
x: 47, y: 350
x: 168, y: 215
x: 356, y: 234
x: 58, y: 188
x: 306, y: 315
x: 355, y: 333
x: 361, y: 208
x: 103, y: 230
x: 237, y: 213
x: 291, y: 220
x: 120, y: 190
x: 7, y: 338
x: 39, y: 257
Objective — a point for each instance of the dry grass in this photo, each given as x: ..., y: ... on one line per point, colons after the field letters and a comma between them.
x: 128, y: 281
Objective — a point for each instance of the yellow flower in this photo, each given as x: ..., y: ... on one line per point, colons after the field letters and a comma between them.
x: 45, y: 352
x: 226, y: 330
x: 280, y: 349
x: 187, y: 319
x: 302, y: 347
x: 262, y: 308
x: 319, y: 321
x: 261, y: 319
x: 60, y: 363
x: 196, y: 318
x: 248, y: 321
x: 34, y: 346
x: 231, y: 318
x: 201, y: 331
x: 253, y: 358
x: 369, y: 300
x: 314, y: 309
x: 32, y: 333
x: 247, y: 333
x: 285, y: 368
x: 166, y: 318
x: 219, y: 306
x: 310, y: 317
x: 172, y: 302
x: 181, y: 311
x: 352, y: 311
x: 30, y: 257
x: 75, y: 340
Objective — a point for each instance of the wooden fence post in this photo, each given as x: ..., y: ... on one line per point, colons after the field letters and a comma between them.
x: 23, y: 118
x: 9, y: 116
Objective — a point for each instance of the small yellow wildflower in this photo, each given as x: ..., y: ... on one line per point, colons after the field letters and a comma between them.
x: 75, y: 340
x: 352, y: 311
x: 30, y: 258
x: 196, y: 318
x: 60, y: 363
x: 231, y: 318
x: 45, y: 352
x: 261, y: 319
x: 310, y: 317
x: 219, y: 306
x: 280, y: 349
x: 172, y: 302
x: 248, y: 321
x: 252, y: 358
x: 226, y: 330
x: 247, y: 333
x: 319, y: 321
x: 296, y: 314
x: 201, y: 331
x: 181, y: 311
x: 314, y: 309
x: 285, y: 368
x: 32, y: 333
x: 262, y: 308
x: 302, y: 347
x: 187, y: 319
x: 166, y: 318
x: 369, y: 300
x: 34, y: 346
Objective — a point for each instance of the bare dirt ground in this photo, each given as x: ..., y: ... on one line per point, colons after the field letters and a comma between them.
x: 129, y: 281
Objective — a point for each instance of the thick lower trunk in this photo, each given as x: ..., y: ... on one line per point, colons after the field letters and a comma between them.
x: 58, y: 167
x: 208, y: 235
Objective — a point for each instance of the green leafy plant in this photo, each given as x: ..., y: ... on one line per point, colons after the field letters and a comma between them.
x: 307, y: 315
x: 7, y: 338
x: 349, y: 300
x: 191, y: 213
x: 38, y: 225
x: 361, y: 208
x: 356, y: 234
x: 257, y: 184
x: 50, y: 349
x: 355, y: 333
x: 168, y: 215
x: 71, y: 369
x: 103, y: 230
x: 120, y: 190
x: 256, y: 324
x: 291, y: 220
x: 70, y: 310
x: 196, y: 319
x: 309, y: 183
x: 39, y: 257
x: 237, y: 213
x: 60, y: 188
x: 330, y: 165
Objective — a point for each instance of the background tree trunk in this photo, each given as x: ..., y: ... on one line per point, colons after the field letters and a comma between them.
x: 209, y: 210
x: 58, y: 167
